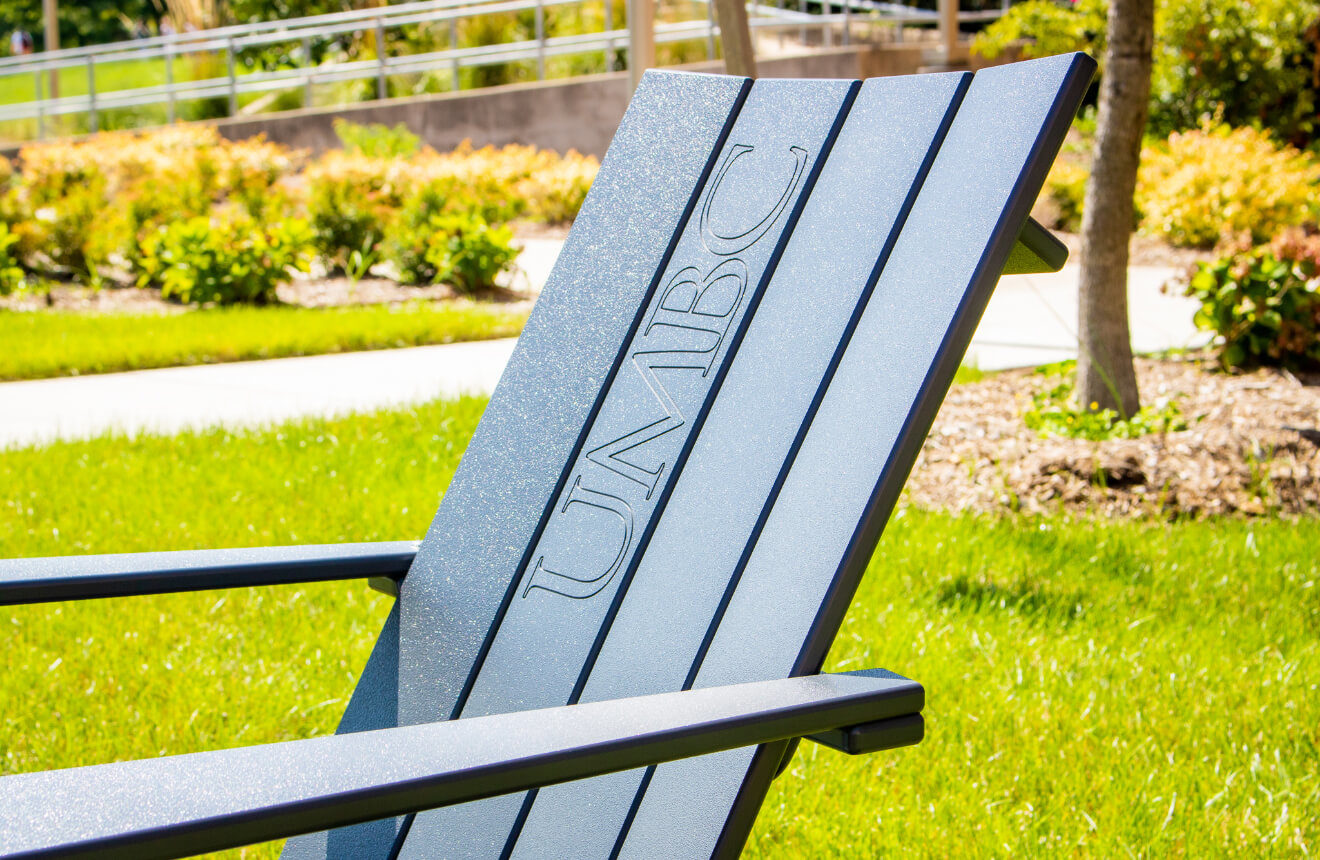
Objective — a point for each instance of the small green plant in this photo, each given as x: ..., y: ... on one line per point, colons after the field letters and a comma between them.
x: 376, y: 140
x: 1264, y: 303
x: 459, y: 248
x: 359, y: 264
x: 1054, y: 413
x: 11, y: 274
x: 348, y: 213
x: 224, y: 261
x: 468, y: 253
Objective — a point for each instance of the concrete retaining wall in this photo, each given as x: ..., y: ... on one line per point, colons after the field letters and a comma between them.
x: 580, y: 114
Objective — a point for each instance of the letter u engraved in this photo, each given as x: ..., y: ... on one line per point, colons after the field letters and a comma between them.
x: 582, y: 587
x: 724, y: 246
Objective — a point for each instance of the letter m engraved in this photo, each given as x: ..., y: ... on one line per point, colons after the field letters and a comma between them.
x: 701, y: 313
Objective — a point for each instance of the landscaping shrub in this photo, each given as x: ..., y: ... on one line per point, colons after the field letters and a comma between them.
x: 1065, y: 191
x: 249, y: 170
x: 60, y: 233
x: 95, y: 207
x: 1249, y: 62
x: 1044, y: 28
x: 1215, y: 181
x: 376, y: 140
x: 228, y: 260
x: 91, y: 203
x: 1263, y: 303
x: 558, y: 185
x: 439, y: 237
x: 409, y: 235
x: 350, y: 201
x: 467, y: 253
x: 11, y: 274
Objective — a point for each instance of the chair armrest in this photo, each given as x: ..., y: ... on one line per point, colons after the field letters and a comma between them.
x: 1037, y: 251
x: 186, y: 804
x: 42, y: 580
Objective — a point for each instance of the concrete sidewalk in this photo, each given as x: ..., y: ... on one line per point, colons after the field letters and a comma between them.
x: 1030, y: 320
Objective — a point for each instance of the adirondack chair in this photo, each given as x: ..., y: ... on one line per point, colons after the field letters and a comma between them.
x: 609, y: 641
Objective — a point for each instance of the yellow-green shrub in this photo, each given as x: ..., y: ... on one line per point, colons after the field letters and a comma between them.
x: 1065, y: 189
x: 227, y: 260
x: 1214, y: 181
x: 557, y: 186
x: 11, y: 274
x: 350, y: 199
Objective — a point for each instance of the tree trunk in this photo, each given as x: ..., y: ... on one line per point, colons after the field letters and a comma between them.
x: 736, y: 38
x: 1105, y: 376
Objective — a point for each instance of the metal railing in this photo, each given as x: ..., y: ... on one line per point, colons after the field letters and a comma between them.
x: 831, y: 20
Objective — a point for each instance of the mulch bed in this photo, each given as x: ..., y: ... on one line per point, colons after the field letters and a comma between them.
x: 1252, y: 447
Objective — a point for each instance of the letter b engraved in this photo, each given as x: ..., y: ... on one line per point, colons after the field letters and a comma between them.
x: 582, y: 587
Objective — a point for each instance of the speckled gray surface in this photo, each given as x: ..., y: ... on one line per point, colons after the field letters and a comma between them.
x: 568, y: 349
x: 876, y: 412
x: 37, y: 580
x: 637, y: 445
x: 175, y: 806
x: 771, y: 386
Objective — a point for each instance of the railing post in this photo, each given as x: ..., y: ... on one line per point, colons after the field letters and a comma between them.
x: 41, y: 106
x: 92, y: 119
x: 169, y: 83
x: 233, y: 77
x: 780, y: 28
x: 847, y: 21
x: 802, y: 33
x: 710, y: 29
x: 540, y: 40
x: 641, y: 38
x: 827, y: 31
x: 949, y: 28
x: 609, y: 28
x: 380, y: 59
x: 307, y: 65
x: 453, y: 46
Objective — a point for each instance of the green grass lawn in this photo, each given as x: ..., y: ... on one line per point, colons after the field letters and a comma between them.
x: 44, y: 344
x: 1095, y: 688
x: 119, y: 75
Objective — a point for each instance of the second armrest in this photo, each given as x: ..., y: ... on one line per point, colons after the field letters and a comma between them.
x: 185, y: 804
x: 43, y: 580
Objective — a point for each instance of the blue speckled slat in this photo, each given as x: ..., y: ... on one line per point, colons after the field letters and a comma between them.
x: 637, y: 445
x: 514, y: 465
x: 753, y: 427
x: 855, y: 457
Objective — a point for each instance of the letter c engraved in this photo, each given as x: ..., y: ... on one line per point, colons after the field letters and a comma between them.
x: 724, y: 246
x: 578, y: 587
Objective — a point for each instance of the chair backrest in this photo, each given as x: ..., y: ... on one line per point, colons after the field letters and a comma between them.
x: 709, y: 416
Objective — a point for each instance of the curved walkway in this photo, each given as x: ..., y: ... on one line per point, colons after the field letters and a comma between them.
x: 1029, y: 321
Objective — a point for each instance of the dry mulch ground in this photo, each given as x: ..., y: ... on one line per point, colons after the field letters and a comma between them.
x: 1252, y: 446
